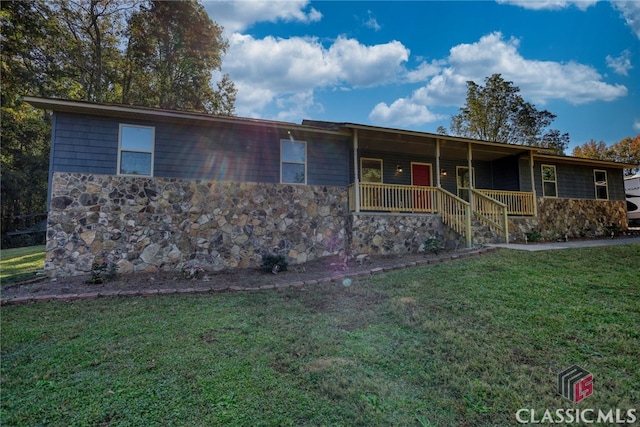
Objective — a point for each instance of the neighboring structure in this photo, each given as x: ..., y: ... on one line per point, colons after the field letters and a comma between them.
x: 150, y: 189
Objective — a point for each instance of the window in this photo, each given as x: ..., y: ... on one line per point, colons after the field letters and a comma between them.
x: 549, y: 181
x: 370, y: 170
x: 462, y: 181
x: 293, y: 162
x: 600, y: 178
x: 135, y: 151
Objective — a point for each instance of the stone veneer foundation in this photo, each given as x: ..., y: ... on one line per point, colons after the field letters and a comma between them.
x: 150, y: 224
x: 147, y: 224
x: 571, y: 218
x: 394, y: 233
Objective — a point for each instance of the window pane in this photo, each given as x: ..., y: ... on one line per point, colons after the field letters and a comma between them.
x: 293, y: 173
x: 371, y: 170
x: 463, y: 177
x: 293, y: 152
x: 549, y: 189
x: 601, y: 192
x: 137, y: 138
x: 548, y: 173
x: 133, y: 163
x: 601, y: 177
x: 463, y: 194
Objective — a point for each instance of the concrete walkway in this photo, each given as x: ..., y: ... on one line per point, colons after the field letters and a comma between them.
x: 570, y: 244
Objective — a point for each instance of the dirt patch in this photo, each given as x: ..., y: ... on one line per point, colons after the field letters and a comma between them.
x: 318, y: 271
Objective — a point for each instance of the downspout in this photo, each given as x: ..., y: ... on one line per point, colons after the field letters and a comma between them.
x: 533, y: 185
x: 51, y: 160
x: 356, y: 182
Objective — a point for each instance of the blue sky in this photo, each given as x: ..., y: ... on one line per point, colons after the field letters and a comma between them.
x: 405, y: 64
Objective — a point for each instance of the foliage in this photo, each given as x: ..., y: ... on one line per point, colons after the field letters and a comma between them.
x: 102, y: 271
x: 496, y: 112
x: 433, y: 245
x: 625, y: 151
x: 191, y: 270
x: 149, y: 53
x: 26, y: 63
x: 172, y: 49
x: 460, y: 343
x: 533, y: 236
x: 274, y: 263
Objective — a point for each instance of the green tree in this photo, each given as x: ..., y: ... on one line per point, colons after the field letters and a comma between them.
x: 173, y: 48
x: 626, y: 151
x: 593, y: 150
x: 496, y: 112
x: 92, y: 56
x: 103, y: 51
x: 29, y: 66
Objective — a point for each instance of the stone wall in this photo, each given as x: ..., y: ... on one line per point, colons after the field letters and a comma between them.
x: 148, y: 224
x: 573, y: 218
x: 384, y: 233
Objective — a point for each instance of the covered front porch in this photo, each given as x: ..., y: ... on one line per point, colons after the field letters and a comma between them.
x: 465, y: 181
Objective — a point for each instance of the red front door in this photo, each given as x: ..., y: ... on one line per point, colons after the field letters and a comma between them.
x: 421, y: 176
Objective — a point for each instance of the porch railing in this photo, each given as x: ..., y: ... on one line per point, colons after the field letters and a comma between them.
x: 455, y: 212
x: 518, y: 202
x: 491, y: 213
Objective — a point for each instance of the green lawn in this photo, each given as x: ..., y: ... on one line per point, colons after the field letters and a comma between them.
x: 464, y: 343
x: 20, y: 263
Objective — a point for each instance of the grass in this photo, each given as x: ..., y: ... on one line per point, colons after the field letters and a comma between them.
x: 464, y: 343
x: 20, y: 263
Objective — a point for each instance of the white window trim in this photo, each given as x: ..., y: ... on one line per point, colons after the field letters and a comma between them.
x: 555, y: 173
x: 381, y: 168
x: 152, y: 152
x: 605, y: 184
x: 294, y: 163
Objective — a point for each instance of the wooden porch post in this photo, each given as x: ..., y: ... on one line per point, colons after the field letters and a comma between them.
x: 438, y: 163
x: 533, y: 184
x: 356, y: 183
x: 470, y: 165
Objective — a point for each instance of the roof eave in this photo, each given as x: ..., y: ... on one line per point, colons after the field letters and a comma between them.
x: 584, y: 161
x: 126, y: 111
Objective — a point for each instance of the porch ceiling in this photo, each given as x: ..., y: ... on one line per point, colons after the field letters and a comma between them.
x: 425, y: 145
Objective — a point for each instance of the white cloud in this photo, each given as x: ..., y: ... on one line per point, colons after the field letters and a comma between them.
x: 424, y: 71
x: 297, y: 65
x: 238, y: 15
x: 362, y: 66
x: 539, y: 81
x: 372, y: 22
x: 630, y: 11
x: 636, y: 125
x: 403, y: 112
x: 620, y: 65
x: 550, y: 4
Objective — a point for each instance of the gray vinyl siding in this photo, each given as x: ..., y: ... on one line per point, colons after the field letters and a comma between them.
x: 327, y: 160
x: 577, y: 181
x: 506, y: 174
x: 84, y: 144
x: 239, y: 152
x: 525, y: 175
